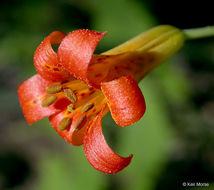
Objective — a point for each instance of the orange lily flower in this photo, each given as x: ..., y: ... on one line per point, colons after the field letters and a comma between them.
x: 76, y: 88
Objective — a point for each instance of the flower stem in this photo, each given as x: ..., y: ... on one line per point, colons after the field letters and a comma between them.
x: 197, y: 33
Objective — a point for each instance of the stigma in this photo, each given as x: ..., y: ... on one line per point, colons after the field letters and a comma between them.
x: 80, y: 99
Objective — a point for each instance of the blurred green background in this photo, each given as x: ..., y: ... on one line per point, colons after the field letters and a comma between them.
x: 174, y: 141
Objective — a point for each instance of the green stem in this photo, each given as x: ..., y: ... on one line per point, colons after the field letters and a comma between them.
x: 191, y: 34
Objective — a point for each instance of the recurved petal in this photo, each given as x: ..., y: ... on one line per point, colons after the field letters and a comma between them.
x: 45, y: 58
x: 97, y: 151
x: 73, y: 133
x: 31, y: 93
x: 76, y: 50
x: 125, y: 100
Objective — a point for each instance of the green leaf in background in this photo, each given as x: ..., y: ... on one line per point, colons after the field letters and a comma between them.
x: 68, y: 171
x: 122, y: 19
x: 169, y: 78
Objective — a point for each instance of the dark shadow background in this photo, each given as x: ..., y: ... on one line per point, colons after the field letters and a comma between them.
x: 176, y: 142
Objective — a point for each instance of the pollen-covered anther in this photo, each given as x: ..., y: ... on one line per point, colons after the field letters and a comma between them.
x: 49, y: 101
x: 64, y: 124
x: 54, y: 88
x: 81, y: 122
x: 70, y: 107
x: 70, y: 95
x: 87, y: 107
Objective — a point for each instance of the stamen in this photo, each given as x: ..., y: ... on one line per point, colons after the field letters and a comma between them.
x: 54, y: 88
x: 70, y: 107
x: 48, y: 101
x: 70, y: 95
x: 87, y: 107
x: 64, y: 123
x: 80, y: 123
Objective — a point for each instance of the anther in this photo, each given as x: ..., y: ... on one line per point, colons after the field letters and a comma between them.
x: 48, y: 101
x: 70, y: 107
x: 87, y: 107
x: 80, y: 123
x: 54, y: 88
x: 64, y: 123
x: 70, y: 95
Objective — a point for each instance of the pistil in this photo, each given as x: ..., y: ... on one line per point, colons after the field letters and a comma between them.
x: 70, y: 108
